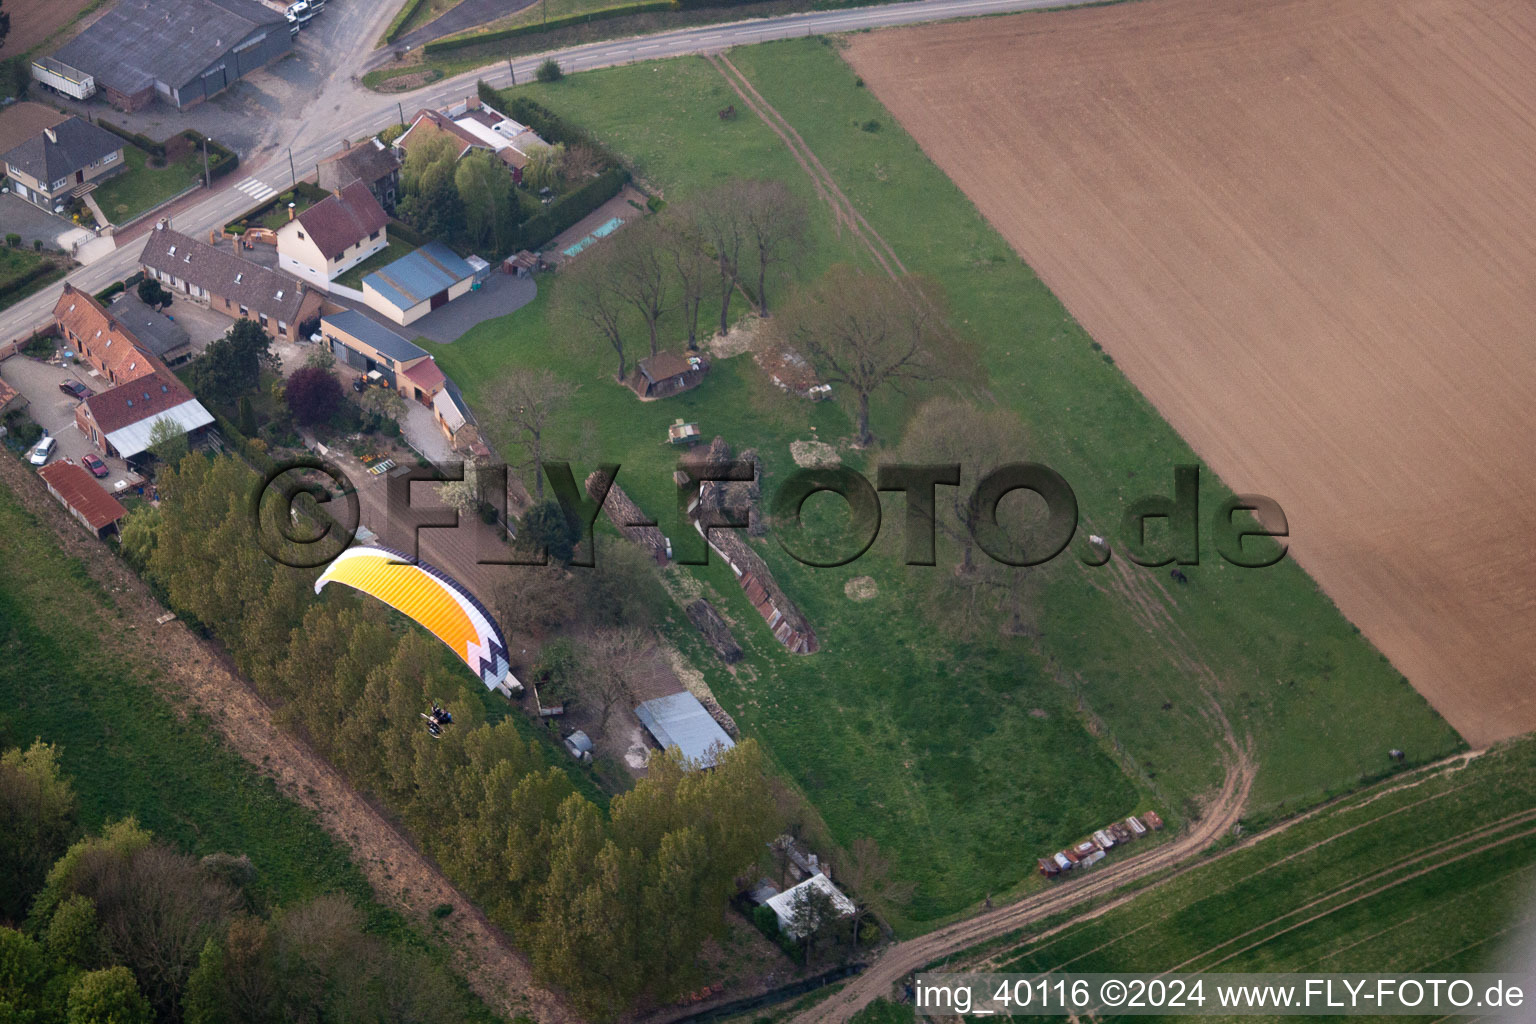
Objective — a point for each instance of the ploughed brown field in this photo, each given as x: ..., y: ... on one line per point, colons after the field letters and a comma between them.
x: 32, y: 21
x: 1306, y: 230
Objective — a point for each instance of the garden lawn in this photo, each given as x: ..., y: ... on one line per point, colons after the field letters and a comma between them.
x: 965, y: 759
x: 384, y: 257
x: 140, y: 187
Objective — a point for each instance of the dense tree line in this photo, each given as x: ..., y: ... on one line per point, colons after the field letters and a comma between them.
x: 119, y: 929
x: 612, y: 909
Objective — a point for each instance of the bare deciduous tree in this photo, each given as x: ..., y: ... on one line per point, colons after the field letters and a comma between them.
x: 867, y: 333
x: 687, y: 255
x: 947, y: 431
x: 589, y: 298
x: 776, y: 223
x: 613, y: 656
x: 718, y: 216
x: 524, y: 403
x: 868, y: 876
x: 639, y: 273
x: 579, y: 163
x: 534, y: 600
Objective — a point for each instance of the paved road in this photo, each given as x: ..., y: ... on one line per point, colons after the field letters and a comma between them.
x: 342, y: 108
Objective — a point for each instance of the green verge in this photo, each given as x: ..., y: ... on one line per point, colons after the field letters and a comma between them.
x: 25, y: 271
x: 129, y: 752
x: 1435, y: 875
x: 964, y: 759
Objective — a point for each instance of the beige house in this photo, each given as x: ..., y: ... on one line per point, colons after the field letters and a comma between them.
x: 62, y: 160
x: 333, y: 236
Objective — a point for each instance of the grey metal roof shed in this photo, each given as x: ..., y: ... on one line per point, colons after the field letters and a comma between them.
x: 679, y: 720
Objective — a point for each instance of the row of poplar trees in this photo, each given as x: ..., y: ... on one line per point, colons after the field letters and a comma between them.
x: 612, y: 904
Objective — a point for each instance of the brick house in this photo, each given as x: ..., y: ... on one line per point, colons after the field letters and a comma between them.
x: 222, y: 280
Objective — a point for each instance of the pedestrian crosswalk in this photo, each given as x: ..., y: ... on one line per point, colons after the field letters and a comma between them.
x: 256, y: 189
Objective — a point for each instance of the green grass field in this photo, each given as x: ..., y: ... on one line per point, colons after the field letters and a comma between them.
x: 895, y: 730
x: 127, y: 752
x: 1433, y: 876
x: 140, y: 187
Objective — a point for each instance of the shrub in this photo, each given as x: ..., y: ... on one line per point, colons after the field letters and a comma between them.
x: 871, y: 125
x: 766, y: 920
x: 312, y: 394
x: 39, y: 346
x: 442, y: 910
x: 549, y: 71
x: 109, y: 291
x: 13, y: 240
x: 151, y: 294
x: 37, y: 245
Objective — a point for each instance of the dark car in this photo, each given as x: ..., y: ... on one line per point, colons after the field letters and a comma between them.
x: 96, y: 466
x: 74, y: 389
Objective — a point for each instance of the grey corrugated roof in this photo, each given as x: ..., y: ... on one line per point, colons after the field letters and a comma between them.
x: 139, y: 41
x: 76, y: 144
x: 417, y: 276
x: 159, y: 334
x: 679, y: 720
x: 375, y: 334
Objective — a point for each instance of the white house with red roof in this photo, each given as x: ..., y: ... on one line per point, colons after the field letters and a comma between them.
x: 333, y: 236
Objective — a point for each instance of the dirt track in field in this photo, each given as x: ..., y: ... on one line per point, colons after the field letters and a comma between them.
x: 403, y: 878
x: 1306, y: 231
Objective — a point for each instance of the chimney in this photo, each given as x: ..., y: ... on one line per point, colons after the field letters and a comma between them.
x: 346, y: 143
x: 290, y: 211
x: 53, y: 136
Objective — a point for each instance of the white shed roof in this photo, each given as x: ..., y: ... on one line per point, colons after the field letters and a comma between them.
x: 134, y: 438
x: 784, y: 903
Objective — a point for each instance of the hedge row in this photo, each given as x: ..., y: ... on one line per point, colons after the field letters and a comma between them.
x: 498, y: 35
x: 24, y: 285
x: 536, y: 231
x: 221, y: 159
x: 398, y: 25
x: 314, y: 193
x: 144, y: 142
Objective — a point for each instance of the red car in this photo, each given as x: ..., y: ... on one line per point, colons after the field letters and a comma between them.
x: 96, y: 466
x: 74, y: 389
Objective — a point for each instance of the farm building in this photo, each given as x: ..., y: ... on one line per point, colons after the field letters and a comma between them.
x: 62, y: 160
x: 367, y: 345
x: 784, y: 903
x: 83, y: 497
x: 121, y: 421
x: 333, y: 236
x: 679, y: 720
x: 372, y: 163
x: 417, y: 283
x: 182, y: 51
x: 667, y: 373
x: 224, y: 281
